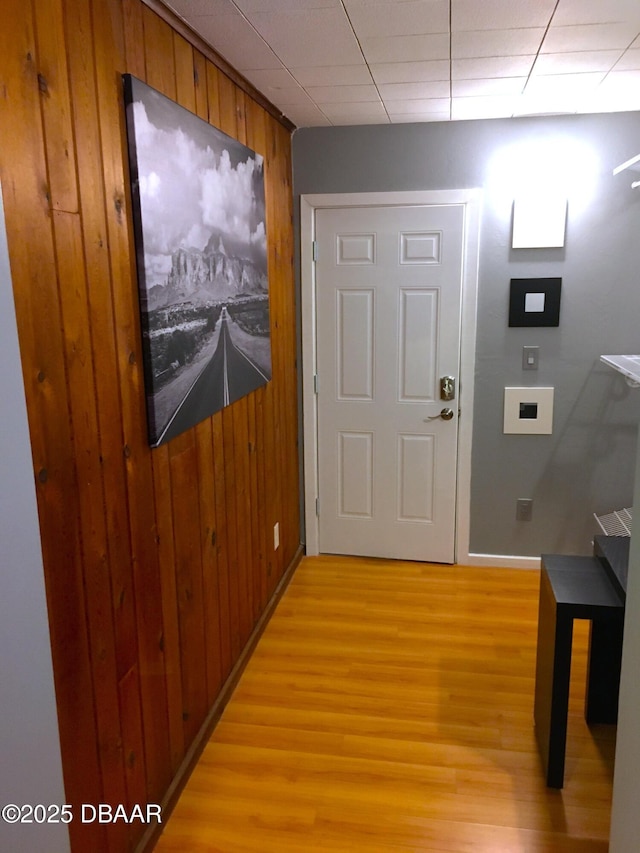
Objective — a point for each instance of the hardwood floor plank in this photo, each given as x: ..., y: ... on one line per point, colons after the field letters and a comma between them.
x: 389, y: 707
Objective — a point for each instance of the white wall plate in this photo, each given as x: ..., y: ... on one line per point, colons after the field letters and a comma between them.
x: 528, y: 411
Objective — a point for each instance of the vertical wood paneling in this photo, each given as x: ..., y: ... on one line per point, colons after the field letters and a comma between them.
x: 72, y: 277
x: 99, y: 319
x: 158, y: 563
x: 209, y: 556
x: 224, y: 536
x: 241, y: 417
x: 273, y: 398
x: 133, y: 742
x: 235, y: 539
x: 100, y: 322
x: 257, y: 141
x: 53, y: 82
x: 97, y: 585
x: 222, y: 533
x: 132, y: 11
x: 23, y: 170
x: 189, y: 585
x: 171, y: 629
x: 291, y: 533
x: 110, y: 64
x: 196, y: 67
x: 254, y: 123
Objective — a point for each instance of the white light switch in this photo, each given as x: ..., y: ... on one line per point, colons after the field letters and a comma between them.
x: 530, y: 358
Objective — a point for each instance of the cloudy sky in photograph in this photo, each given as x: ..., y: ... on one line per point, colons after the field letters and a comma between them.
x: 194, y: 181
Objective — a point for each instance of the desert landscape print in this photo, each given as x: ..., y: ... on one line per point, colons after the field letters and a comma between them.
x: 199, y: 221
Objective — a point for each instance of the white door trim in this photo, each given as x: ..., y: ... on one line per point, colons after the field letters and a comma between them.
x: 308, y: 205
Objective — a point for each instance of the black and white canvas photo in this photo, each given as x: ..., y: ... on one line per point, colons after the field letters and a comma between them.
x: 200, y: 233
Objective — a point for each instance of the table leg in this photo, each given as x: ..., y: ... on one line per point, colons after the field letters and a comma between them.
x: 603, y: 673
x: 553, y: 669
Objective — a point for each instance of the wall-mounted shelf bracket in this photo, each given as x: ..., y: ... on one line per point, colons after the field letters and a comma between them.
x: 634, y: 165
x: 628, y: 365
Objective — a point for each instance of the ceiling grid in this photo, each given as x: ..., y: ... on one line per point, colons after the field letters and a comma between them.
x: 336, y: 62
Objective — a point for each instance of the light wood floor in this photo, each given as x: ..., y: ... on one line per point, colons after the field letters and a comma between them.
x: 388, y: 707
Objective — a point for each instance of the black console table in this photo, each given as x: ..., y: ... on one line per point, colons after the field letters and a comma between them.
x: 613, y: 553
x: 575, y: 587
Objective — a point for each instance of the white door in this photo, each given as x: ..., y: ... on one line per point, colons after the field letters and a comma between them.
x: 388, y: 285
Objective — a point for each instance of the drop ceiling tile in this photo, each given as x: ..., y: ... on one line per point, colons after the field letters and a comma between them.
x: 489, y: 87
x: 309, y: 37
x: 629, y: 61
x: 417, y: 106
x: 492, y: 66
x: 404, y: 118
x: 200, y: 8
x: 408, y: 18
x: 564, y: 84
x: 238, y: 43
x: 619, y: 91
x: 366, y: 111
x: 408, y: 91
x: 303, y: 116
x: 273, y: 78
x: 551, y: 103
x: 610, y: 102
x: 577, y: 61
x: 627, y: 81
x: 410, y: 72
x: 332, y: 75
x: 596, y: 12
x: 475, y: 108
x: 350, y: 122
x: 500, y: 14
x: 610, y: 105
x: 493, y: 45
x: 349, y: 3
x: 343, y: 94
x: 287, y: 95
x: 405, y: 48
x: 475, y: 44
x: 250, y: 6
x: 589, y: 37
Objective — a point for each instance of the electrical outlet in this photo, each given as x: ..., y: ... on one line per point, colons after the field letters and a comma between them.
x: 276, y: 536
x: 524, y: 509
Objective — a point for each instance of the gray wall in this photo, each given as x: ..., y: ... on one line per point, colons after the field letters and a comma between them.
x: 587, y: 465
x: 30, y: 766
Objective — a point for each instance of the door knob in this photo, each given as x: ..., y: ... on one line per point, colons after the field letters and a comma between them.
x: 445, y: 415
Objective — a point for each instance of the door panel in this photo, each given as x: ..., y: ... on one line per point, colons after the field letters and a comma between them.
x: 354, y: 318
x: 388, y: 284
x: 416, y: 471
x: 418, y: 345
x: 355, y: 474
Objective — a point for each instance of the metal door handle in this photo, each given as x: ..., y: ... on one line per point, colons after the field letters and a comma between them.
x: 445, y: 414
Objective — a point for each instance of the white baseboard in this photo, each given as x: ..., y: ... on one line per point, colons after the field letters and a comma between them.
x: 500, y: 561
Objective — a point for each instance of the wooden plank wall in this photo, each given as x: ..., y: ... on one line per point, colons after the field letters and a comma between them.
x: 158, y: 563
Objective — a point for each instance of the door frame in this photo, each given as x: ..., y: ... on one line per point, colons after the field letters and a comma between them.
x: 309, y: 203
